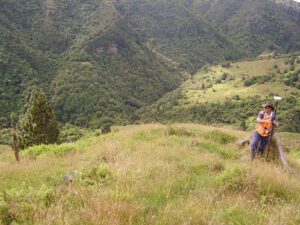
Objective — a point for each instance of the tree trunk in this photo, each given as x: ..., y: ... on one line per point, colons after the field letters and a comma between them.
x: 15, y: 145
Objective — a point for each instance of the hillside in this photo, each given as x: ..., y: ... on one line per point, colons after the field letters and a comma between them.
x: 233, y: 93
x: 101, y: 59
x: 87, y: 58
x: 196, y: 32
x: 188, y: 39
x: 149, y: 174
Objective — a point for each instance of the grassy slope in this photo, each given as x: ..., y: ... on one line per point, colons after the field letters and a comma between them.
x: 149, y: 174
x: 239, y: 72
x: 244, y: 83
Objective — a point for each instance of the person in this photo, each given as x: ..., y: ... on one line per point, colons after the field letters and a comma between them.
x: 265, y: 122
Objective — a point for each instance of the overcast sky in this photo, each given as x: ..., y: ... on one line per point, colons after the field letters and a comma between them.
x: 297, y: 0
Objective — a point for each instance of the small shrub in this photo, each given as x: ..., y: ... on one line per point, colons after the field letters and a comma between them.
x: 236, y: 97
x: 57, y: 150
x: 106, y: 125
x: 249, y: 82
x: 100, y: 174
x: 226, y: 65
x: 105, y: 128
x: 233, y: 179
x: 71, y: 133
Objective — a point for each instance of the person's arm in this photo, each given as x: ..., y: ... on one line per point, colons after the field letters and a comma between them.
x: 260, y: 118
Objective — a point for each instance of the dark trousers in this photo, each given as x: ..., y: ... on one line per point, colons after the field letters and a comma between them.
x: 264, y: 141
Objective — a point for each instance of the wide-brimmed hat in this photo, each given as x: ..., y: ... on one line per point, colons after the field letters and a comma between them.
x: 269, y: 104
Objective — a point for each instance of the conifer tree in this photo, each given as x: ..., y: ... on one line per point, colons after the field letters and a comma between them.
x: 38, y: 125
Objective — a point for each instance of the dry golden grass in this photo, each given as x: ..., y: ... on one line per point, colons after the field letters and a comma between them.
x: 154, y: 174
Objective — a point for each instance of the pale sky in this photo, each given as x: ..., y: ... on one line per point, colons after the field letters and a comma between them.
x: 297, y: 0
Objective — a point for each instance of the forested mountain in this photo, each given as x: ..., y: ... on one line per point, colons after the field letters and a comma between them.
x: 173, y: 29
x: 197, y: 32
x: 254, y: 26
x: 100, y: 59
x: 92, y: 64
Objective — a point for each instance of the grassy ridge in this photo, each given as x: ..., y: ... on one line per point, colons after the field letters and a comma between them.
x: 149, y: 174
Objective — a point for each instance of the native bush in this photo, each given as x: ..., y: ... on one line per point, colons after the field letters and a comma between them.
x: 106, y: 125
x: 38, y: 125
x: 71, y: 133
x: 60, y: 149
x: 54, y: 149
x: 5, y: 137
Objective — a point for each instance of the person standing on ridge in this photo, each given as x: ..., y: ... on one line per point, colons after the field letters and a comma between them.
x: 265, y: 123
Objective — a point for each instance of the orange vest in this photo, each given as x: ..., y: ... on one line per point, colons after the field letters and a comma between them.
x: 265, y: 129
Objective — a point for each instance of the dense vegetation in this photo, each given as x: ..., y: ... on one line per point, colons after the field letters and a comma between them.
x: 38, y: 125
x: 90, y: 62
x: 233, y: 94
x: 102, y: 60
x: 149, y: 174
x: 196, y: 32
